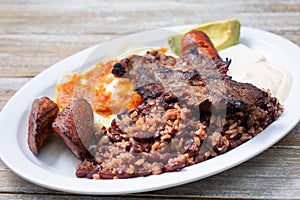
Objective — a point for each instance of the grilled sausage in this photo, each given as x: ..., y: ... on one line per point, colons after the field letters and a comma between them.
x: 74, y: 124
x: 43, y: 112
x: 202, y: 41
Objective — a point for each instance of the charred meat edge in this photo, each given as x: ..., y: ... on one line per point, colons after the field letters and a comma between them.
x: 42, y: 114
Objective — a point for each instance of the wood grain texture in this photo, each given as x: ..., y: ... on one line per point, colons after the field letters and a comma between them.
x: 36, y: 34
x: 54, y: 30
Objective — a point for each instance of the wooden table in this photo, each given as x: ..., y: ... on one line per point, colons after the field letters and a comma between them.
x: 36, y: 34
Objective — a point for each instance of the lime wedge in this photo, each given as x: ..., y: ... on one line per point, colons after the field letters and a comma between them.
x: 222, y: 34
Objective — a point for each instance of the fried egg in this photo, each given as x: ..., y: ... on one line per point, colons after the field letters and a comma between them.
x: 107, y: 94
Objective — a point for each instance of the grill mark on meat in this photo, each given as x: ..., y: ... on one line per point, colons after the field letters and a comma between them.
x: 244, y: 95
x: 150, y: 90
x: 42, y: 114
x: 205, y: 82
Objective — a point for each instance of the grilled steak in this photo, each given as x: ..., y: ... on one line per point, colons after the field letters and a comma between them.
x: 42, y: 115
x: 193, y: 79
x: 74, y: 124
x: 244, y: 95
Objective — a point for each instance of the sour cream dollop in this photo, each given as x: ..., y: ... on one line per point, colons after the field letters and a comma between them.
x: 249, y: 66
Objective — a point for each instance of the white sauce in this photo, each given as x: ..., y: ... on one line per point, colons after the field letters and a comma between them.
x: 267, y: 76
x: 250, y: 67
x: 241, y: 56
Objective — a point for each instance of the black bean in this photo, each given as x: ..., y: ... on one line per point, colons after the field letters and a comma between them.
x: 166, y: 106
x: 143, y: 137
x: 128, y: 146
x: 173, y: 133
x: 249, y: 122
x: 106, y: 174
x: 114, y: 126
x: 274, y: 115
x: 144, y: 172
x: 170, y: 98
x: 81, y: 173
x: 125, y: 175
x: 93, y: 171
x: 115, y: 138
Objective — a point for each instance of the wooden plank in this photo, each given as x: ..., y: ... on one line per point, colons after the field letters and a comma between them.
x: 45, y: 50
x: 81, y: 28
x: 110, y: 17
x: 125, y: 22
x: 28, y: 55
x: 67, y: 197
x: 292, y: 140
x: 292, y: 35
x: 274, y: 173
x: 8, y: 87
x: 249, y: 6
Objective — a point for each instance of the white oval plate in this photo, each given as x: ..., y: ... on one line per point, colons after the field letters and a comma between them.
x: 55, y: 166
